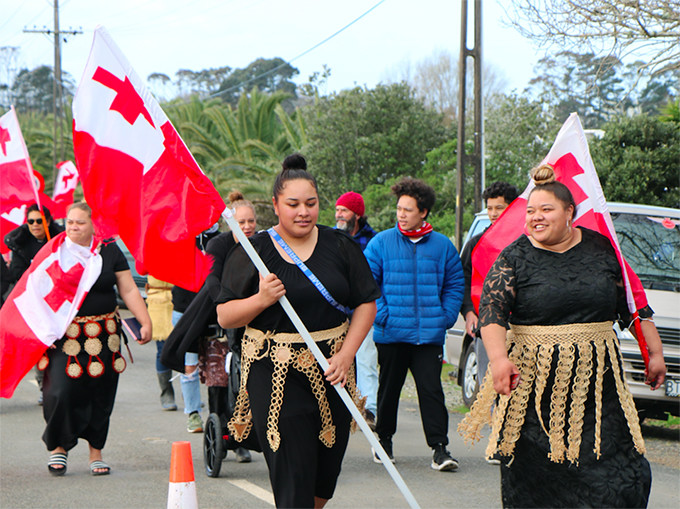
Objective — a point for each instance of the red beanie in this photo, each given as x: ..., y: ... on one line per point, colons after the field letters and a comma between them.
x: 353, y: 201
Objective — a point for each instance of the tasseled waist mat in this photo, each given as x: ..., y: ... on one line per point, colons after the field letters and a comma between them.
x: 531, y: 348
x: 257, y: 345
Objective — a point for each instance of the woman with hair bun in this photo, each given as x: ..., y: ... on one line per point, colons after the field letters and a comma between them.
x: 565, y: 425
x: 301, y: 423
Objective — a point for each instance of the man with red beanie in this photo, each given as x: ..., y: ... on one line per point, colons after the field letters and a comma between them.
x: 350, y: 218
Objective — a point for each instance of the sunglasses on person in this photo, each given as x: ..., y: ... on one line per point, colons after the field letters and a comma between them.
x: 31, y: 221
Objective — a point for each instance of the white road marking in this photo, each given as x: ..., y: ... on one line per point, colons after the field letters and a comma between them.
x: 253, y: 489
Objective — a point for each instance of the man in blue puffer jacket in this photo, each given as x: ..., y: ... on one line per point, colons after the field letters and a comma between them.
x: 422, y: 285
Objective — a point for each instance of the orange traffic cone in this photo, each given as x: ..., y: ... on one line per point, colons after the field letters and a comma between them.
x: 182, y: 489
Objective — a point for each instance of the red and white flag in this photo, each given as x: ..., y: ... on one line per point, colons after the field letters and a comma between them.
x: 18, y: 188
x: 42, y: 305
x: 570, y: 158
x: 137, y: 174
x: 64, y: 187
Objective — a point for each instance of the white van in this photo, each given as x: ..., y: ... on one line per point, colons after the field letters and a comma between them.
x: 650, y: 241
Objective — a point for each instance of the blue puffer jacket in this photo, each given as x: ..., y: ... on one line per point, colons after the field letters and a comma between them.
x: 422, y: 287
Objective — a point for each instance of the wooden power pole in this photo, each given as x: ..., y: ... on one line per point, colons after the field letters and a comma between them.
x: 57, y: 89
x: 477, y: 158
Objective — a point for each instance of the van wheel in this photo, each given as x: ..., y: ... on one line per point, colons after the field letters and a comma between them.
x: 470, y: 384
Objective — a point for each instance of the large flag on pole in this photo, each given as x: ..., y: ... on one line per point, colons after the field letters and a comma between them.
x: 64, y: 187
x: 137, y: 174
x: 19, y: 187
x: 570, y: 158
x: 42, y: 305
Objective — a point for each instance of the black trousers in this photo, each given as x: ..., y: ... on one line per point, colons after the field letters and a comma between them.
x: 425, y: 363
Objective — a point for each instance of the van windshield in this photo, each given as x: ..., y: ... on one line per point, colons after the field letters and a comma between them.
x: 651, y: 245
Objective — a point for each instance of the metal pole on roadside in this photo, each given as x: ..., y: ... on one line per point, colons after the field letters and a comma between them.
x: 318, y: 355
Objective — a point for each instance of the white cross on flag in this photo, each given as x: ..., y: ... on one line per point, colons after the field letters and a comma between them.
x: 137, y: 174
x: 66, y: 183
x: 19, y: 187
x: 42, y: 305
x: 570, y: 158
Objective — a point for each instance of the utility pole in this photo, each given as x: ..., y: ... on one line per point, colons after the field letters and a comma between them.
x: 57, y: 89
x: 477, y: 158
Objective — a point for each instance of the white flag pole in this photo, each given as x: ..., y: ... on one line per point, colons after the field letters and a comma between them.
x: 318, y: 355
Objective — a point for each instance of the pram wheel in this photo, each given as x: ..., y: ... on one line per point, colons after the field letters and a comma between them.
x: 214, y: 450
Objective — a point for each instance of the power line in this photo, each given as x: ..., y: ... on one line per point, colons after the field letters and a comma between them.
x: 243, y: 83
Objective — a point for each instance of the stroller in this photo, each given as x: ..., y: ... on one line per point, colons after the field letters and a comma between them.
x: 217, y: 439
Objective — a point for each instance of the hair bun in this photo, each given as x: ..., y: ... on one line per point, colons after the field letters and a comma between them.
x: 294, y: 162
x: 543, y: 174
x: 235, y: 196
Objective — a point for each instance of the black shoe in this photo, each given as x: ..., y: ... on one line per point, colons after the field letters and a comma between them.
x: 494, y: 460
x: 387, y: 445
x: 442, y: 460
x: 370, y: 419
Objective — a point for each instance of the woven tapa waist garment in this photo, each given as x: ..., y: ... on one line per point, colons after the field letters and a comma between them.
x: 531, y: 348
x: 257, y: 345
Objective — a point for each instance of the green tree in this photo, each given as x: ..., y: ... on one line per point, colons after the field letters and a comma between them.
x: 517, y: 136
x: 361, y: 137
x: 637, y: 161
x: 266, y: 74
x: 33, y: 90
x: 584, y: 83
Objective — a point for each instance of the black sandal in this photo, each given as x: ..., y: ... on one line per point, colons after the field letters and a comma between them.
x: 103, y: 468
x: 58, y: 458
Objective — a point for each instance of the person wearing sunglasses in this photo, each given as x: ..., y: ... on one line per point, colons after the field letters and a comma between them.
x: 24, y: 243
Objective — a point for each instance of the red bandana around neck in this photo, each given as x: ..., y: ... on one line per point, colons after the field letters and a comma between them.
x: 418, y: 232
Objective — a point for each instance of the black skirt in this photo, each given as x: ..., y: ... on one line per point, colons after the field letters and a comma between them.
x: 79, y: 389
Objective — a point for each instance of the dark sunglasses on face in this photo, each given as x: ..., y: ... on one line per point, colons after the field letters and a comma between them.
x: 31, y: 221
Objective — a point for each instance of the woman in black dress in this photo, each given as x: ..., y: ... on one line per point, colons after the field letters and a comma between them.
x: 568, y: 434
x: 300, y: 420
x: 82, y: 368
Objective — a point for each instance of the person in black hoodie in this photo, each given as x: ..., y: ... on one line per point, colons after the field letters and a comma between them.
x: 190, y: 383
x: 24, y: 242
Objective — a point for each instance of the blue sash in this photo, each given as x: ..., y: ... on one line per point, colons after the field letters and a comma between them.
x: 305, y: 270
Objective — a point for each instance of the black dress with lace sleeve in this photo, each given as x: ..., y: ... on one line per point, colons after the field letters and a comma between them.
x: 532, y: 286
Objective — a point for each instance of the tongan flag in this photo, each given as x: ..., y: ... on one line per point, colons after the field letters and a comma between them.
x: 18, y: 187
x: 570, y: 158
x: 64, y: 187
x: 42, y: 305
x: 137, y: 174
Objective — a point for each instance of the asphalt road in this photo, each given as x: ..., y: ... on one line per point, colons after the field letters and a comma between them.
x: 139, y: 449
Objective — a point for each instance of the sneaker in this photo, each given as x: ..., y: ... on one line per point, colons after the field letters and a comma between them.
x: 494, y: 460
x: 242, y: 455
x: 387, y: 445
x: 442, y: 460
x: 370, y: 419
x: 195, y: 423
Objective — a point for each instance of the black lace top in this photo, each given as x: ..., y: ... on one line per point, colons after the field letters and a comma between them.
x: 532, y: 286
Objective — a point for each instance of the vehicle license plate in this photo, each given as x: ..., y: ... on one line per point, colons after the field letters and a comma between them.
x: 673, y: 388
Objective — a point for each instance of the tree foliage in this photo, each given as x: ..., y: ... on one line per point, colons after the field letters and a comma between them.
x: 266, y: 74
x: 361, y: 137
x: 599, y: 88
x: 615, y: 27
x: 33, y: 90
x: 518, y: 135
x: 637, y: 160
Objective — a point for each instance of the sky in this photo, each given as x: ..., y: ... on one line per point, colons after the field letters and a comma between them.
x: 163, y: 36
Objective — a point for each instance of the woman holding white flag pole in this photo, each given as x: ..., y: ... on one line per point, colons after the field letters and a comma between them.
x: 301, y: 422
